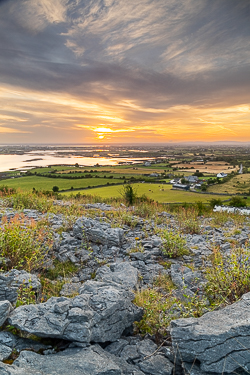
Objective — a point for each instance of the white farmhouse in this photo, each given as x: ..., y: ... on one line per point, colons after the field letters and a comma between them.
x: 221, y: 175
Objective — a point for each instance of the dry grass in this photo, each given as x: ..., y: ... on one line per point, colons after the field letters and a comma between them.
x: 209, y: 167
x: 238, y: 184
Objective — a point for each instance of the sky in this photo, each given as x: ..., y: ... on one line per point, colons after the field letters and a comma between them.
x: 124, y: 71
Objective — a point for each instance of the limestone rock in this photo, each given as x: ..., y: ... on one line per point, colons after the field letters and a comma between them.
x: 100, y: 313
x: 156, y: 365
x: 12, y: 280
x: 89, y: 361
x: 98, y: 232
x: 10, y: 342
x: 5, y: 309
x: 219, y: 340
x: 121, y: 273
x: 184, y: 277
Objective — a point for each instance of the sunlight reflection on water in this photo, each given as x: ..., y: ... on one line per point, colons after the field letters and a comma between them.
x: 45, y: 158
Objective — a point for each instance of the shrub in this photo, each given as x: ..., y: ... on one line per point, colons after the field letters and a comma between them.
x: 5, y: 191
x: 155, y: 318
x: 237, y: 202
x: 188, y: 220
x: 215, y: 202
x: 55, y: 189
x: 26, y: 296
x: 201, y: 207
x: 174, y: 245
x: 35, y: 201
x: 25, y: 243
x: 229, y: 276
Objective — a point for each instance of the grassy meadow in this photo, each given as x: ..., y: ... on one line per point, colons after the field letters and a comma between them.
x: 45, y: 183
x: 158, y: 192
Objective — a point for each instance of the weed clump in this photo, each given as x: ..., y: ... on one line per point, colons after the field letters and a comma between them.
x: 229, y: 276
x: 24, y: 243
x: 188, y: 220
x: 156, y: 306
x: 6, y: 191
x: 174, y: 245
x: 61, y: 269
x: 34, y: 201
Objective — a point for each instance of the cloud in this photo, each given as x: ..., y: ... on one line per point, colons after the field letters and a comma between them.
x: 36, y: 15
x: 125, y: 65
x: 11, y: 130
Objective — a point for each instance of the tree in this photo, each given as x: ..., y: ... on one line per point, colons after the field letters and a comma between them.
x: 55, y: 189
x: 215, y: 202
x: 198, y: 174
x: 128, y: 193
x: 237, y: 202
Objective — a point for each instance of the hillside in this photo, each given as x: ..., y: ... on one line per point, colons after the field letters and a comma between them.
x: 108, y: 288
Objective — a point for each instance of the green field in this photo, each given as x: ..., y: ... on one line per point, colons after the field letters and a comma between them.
x: 158, y: 192
x: 45, y: 183
x: 98, y: 172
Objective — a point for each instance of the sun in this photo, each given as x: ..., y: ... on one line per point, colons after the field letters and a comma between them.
x: 101, y: 136
x: 103, y: 130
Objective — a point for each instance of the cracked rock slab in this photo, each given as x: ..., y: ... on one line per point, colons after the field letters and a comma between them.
x: 97, y: 232
x: 184, y: 277
x: 219, y: 340
x: 121, y: 273
x: 10, y: 342
x: 5, y: 309
x: 89, y: 361
x: 100, y: 313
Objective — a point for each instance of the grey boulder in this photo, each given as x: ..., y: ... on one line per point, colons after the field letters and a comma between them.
x: 10, y: 342
x: 219, y: 340
x: 5, y: 309
x: 184, y: 277
x: 98, y: 232
x: 11, y: 281
x: 156, y: 365
x: 100, y: 313
x: 121, y: 273
x: 89, y: 361
x: 143, y: 354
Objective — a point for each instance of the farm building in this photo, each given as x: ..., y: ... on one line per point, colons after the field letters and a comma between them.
x: 181, y: 187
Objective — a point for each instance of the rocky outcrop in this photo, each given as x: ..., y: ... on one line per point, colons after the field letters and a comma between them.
x: 136, y: 358
x: 100, y: 313
x: 144, y: 354
x: 184, y: 277
x: 121, y: 273
x: 5, y: 309
x: 103, y: 311
x: 218, y: 341
x: 98, y: 232
x: 14, y: 279
x: 87, y: 361
x: 10, y: 342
